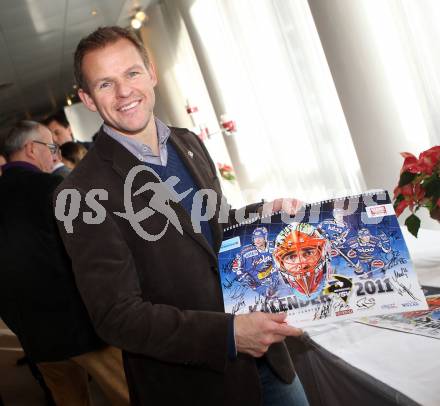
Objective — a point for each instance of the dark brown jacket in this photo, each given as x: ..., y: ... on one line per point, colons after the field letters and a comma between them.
x: 161, y: 302
x: 39, y: 300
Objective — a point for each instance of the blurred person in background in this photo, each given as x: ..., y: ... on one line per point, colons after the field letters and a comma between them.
x: 72, y: 153
x: 61, y: 130
x: 59, y: 167
x: 60, y: 127
x: 2, y: 162
x: 39, y: 300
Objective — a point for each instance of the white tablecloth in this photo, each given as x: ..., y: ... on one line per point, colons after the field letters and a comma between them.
x: 406, y: 362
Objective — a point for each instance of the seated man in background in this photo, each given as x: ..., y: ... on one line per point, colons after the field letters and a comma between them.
x: 39, y: 300
x: 72, y: 153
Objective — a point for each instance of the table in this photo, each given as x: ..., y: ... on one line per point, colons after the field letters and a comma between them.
x: 349, y: 363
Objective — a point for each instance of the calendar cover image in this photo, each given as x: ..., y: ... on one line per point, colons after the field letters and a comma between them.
x: 336, y: 259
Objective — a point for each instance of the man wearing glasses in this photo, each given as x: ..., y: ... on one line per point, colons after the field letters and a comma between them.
x: 30, y: 144
x: 39, y: 300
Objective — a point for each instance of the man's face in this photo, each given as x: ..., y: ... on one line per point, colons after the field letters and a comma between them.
x: 61, y: 134
x: 364, y: 236
x: 303, y: 259
x: 121, y: 88
x: 42, y: 155
x: 260, y: 242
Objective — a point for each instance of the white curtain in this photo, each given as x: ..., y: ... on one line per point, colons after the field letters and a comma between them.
x: 180, y: 82
x: 405, y: 35
x: 418, y: 29
x: 407, y: 39
x: 268, y: 65
x: 262, y: 63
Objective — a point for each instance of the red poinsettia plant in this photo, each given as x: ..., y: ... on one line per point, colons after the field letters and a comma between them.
x: 419, y: 186
x: 226, y: 171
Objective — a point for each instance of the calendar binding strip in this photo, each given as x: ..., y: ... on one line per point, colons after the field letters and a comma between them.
x: 307, y: 205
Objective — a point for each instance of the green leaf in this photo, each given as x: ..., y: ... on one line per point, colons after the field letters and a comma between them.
x: 406, y: 177
x: 413, y: 224
x: 399, y: 198
x: 433, y: 188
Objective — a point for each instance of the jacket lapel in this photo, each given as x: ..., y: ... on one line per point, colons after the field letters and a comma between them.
x: 201, y: 173
x: 123, y: 161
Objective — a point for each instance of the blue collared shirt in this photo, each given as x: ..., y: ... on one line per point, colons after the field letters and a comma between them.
x: 142, y: 151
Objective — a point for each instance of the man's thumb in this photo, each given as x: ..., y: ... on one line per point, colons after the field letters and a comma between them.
x: 278, y: 317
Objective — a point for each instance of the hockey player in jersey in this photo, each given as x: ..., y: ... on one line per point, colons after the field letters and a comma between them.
x: 253, y: 265
x: 368, y: 253
x: 335, y: 229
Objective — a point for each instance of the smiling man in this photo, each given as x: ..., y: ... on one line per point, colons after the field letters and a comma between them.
x: 161, y: 301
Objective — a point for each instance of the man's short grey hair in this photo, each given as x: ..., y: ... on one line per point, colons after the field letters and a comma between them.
x: 18, y: 136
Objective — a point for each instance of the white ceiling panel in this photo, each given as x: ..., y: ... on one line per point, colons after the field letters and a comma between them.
x: 34, y: 47
x: 112, y: 13
x: 14, y: 34
x: 82, y: 3
x: 34, y: 18
x: 37, y: 42
x: 27, y: 58
x: 84, y: 27
x: 82, y: 13
x: 6, y: 70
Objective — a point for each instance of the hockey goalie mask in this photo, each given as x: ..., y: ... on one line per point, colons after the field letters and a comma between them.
x: 302, y: 256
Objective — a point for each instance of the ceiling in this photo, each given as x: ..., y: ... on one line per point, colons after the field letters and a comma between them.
x: 37, y: 42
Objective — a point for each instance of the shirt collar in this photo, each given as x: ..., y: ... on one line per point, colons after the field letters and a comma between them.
x: 143, y: 151
x: 57, y: 166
